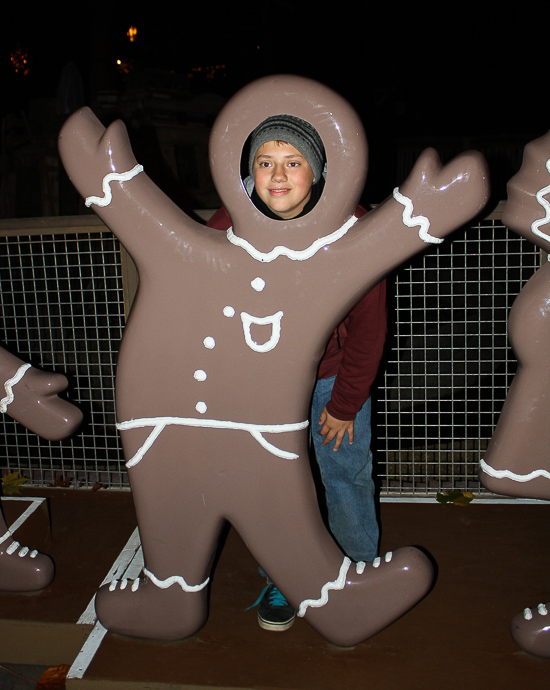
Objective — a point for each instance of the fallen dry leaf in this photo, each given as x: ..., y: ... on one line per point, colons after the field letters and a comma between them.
x: 53, y: 678
x: 11, y: 483
x: 456, y: 497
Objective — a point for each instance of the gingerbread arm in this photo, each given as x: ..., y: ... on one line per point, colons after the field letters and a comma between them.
x: 433, y: 201
x: 527, y: 210
x: 101, y: 165
x: 30, y: 396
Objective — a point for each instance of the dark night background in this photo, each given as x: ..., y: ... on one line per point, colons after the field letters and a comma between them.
x: 418, y: 77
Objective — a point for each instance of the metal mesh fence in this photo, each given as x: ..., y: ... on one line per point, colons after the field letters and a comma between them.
x: 441, y: 389
x: 62, y: 309
x: 448, y: 364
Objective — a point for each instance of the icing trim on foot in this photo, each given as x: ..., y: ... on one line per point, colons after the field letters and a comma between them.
x: 161, y: 584
x: 508, y: 474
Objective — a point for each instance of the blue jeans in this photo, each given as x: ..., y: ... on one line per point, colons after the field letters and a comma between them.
x: 347, y: 478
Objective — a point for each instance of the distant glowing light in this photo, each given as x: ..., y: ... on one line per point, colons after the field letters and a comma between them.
x: 124, y: 66
x: 132, y: 33
x: 20, y: 61
x: 209, y: 72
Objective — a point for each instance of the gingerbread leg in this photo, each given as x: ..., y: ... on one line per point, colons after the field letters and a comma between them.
x: 22, y: 569
x: 531, y: 630
x: 179, y: 523
x: 345, y: 602
x: 181, y: 503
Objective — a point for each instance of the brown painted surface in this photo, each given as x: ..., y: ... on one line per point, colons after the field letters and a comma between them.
x: 88, y: 530
x: 490, y: 560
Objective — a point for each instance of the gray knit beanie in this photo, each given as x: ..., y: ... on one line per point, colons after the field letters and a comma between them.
x: 293, y: 131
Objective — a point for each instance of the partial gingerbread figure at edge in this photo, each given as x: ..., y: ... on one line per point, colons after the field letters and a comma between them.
x: 517, y: 462
x: 31, y: 397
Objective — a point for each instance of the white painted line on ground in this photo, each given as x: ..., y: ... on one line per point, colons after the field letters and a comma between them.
x: 128, y: 564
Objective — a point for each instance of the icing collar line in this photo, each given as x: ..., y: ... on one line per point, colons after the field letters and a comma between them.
x: 292, y: 254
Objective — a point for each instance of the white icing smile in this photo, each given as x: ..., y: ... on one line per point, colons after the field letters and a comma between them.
x: 274, y: 321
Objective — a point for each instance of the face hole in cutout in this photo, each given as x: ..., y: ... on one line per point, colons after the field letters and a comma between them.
x: 296, y: 198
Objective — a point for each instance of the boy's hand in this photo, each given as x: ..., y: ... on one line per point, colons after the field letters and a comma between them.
x: 334, y: 428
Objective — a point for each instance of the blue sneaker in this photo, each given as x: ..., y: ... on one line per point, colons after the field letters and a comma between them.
x: 274, y: 611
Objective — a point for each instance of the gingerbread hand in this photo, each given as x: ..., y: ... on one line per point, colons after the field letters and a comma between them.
x: 527, y: 211
x: 444, y: 196
x: 104, y: 170
x: 30, y: 396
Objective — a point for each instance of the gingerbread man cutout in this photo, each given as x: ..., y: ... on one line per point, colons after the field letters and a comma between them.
x: 517, y: 462
x: 31, y: 398
x: 218, y: 360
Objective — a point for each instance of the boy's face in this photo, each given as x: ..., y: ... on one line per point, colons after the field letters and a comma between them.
x: 283, y: 178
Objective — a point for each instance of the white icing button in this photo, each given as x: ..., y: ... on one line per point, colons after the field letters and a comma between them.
x: 209, y: 342
x: 200, y: 375
x: 201, y: 407
x: 229, y: 312
x: 258, y: 284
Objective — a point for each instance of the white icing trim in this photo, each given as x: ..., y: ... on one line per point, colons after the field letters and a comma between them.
x: 12, y: 548
x: 274, y: 321
x: 412, y: 221
x: 337, y: 584
x: 546, y: 206
x: 175, y: 580
x: 255, y: 430
x: 293, y: 254
x: 527, y: 614
x: 508, y: 474
x: 9, y: 384
x: 112, y: 177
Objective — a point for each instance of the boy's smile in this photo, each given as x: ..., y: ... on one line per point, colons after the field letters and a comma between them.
x: 283, y: 178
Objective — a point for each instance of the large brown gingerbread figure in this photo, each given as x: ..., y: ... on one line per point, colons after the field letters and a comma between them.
x: 219, y: 357
x: 517, y: 461
x: 30, y: 396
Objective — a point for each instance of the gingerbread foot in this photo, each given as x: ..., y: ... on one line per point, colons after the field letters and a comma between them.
x: 369, y: 596
x: 150, y: 608
x: 23, y: 570
x: 531, y: 630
